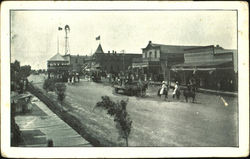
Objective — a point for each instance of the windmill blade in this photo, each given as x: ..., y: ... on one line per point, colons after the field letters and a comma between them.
x: 67, y: 27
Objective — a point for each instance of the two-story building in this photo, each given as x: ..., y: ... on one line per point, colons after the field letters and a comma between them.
x: 76, y: 62
x: 157, y: 59
x: 59, y: 66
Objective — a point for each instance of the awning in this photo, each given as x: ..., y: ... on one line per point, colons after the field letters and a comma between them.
x: 96, y: 66
x: 192, y: 69
x: 201, y: 66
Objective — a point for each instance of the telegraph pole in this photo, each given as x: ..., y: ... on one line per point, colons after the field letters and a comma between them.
x: 123, y: 60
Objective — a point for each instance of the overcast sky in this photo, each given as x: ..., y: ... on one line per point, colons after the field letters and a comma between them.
x: 34, y: 33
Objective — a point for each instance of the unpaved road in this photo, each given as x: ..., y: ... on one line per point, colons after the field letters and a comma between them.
x: 208, y: 122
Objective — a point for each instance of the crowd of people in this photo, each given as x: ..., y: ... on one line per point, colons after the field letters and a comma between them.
x: 73, y: 77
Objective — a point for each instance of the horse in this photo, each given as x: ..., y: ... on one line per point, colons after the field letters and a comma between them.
x: 189, y: 92
x: 165, y: 92
x: 142, y: 89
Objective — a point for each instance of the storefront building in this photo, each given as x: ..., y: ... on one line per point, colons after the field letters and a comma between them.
x: 208, y: 67
x: 157, y: 59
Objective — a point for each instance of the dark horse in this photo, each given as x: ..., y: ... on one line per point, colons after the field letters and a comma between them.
x: 189, y: 92
x: 178, y: 93
x: 165, y: 92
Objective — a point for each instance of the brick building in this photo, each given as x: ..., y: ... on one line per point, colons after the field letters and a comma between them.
x: 76, y: 62
x: 112, y: 62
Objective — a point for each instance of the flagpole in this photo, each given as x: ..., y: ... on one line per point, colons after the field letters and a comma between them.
x: 58, y: 30
x: 57, y: 43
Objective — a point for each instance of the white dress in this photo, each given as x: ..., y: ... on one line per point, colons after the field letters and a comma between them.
x: 175, y: 89
x: 162, y: 89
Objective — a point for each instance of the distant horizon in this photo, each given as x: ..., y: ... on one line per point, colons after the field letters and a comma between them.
x: 34, y: 33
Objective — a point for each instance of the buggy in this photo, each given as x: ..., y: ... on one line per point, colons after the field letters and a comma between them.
x: 131, y: 89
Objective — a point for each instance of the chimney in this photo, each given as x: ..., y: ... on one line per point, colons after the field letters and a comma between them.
x: 108, y: 52
x: 113, y: 51
x: 150, y: 42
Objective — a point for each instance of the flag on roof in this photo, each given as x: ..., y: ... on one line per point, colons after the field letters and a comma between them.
x: 98, y: 37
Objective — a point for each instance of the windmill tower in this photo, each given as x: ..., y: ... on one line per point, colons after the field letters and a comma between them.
x: 67, y: 30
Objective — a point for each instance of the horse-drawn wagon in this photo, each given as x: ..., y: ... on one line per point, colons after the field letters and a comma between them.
x: 131, y: 89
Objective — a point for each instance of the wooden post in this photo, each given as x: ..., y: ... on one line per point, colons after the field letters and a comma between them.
x: 169, y: 76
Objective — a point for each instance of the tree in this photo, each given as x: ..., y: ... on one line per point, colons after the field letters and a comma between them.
x: 60, y: 91
x: 18, y: 75
x: 25, y: 71
x: 14, y: 68
x: 119, y: 112
x: 49, y: 84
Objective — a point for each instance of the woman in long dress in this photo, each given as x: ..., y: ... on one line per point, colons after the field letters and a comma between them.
x: 164, y: 90
x: 176, y: 90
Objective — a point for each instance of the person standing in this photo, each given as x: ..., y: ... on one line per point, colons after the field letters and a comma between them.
x: 164, y: 90
x: 78, y: 77
x: 176, y: 90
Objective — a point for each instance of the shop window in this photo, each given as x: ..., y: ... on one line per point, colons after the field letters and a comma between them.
x: 150, y: 54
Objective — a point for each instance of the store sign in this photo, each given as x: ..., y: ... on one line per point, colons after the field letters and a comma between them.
x: 142, y: 64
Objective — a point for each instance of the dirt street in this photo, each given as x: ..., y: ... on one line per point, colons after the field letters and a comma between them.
x: 207, y: 122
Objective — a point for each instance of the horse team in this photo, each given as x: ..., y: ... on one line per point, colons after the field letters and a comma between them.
x: 188, y: 92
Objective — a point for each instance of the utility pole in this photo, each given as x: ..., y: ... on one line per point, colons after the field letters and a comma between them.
x: 123, y: 51
x: 57, y: 44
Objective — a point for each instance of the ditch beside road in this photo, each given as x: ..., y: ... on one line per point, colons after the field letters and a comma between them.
x: 207, y: 122
x: 41, y: 124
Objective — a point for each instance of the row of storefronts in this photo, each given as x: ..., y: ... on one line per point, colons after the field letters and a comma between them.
x: 210, y: 67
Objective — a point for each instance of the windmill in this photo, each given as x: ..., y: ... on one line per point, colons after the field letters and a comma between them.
x: 67, y: 30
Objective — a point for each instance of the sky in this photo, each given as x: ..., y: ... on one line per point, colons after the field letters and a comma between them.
x: 34, y: 34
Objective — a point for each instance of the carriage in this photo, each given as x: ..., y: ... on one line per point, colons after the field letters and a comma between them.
x: 131, y: 89
x: 96, y: 77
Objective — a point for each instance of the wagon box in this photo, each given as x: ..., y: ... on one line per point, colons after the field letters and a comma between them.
x: 132, y: 89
